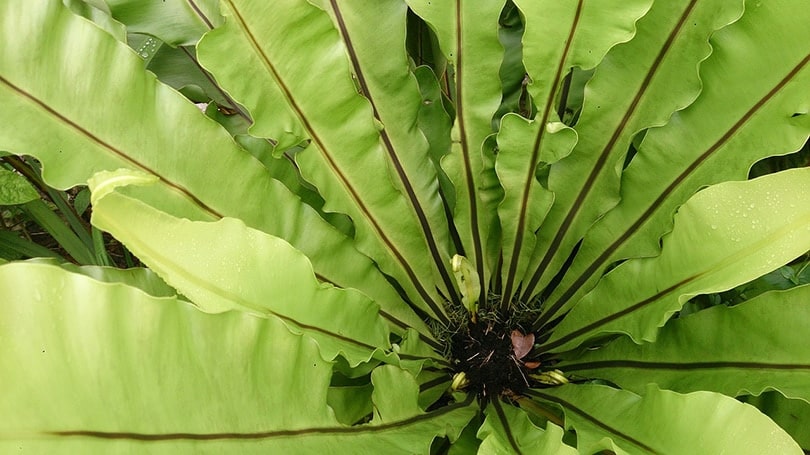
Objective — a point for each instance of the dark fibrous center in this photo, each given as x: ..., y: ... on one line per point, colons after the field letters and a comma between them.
x: 485, y: 353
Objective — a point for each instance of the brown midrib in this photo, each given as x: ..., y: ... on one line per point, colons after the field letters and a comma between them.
x: 672, y: 186
x: 527, y: 186
x: 358, y: 429
x: 438, y: 313
x: 389, y: 147
x: 657, y: 365
x: 599, y: 165
x: 109, y: 147
x: 472, y: 194
x: 571, y: 407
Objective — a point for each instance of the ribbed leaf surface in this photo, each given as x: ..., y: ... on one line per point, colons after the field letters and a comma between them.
x: 226, y: 265
x: 177, y: 22
x: 117, y: 118
x: 582, y: 32
x: 394, y: 94
x: 737, y: 120
x: 661, y: 421
x: 184, y: 382
x: 724, y: 236
x: 508, y: 429
x: 266, y: 58
x: 638, y: 85
x: 704, y: 352
x: 467, y: 32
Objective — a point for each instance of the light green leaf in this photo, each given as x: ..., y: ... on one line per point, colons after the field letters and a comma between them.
x: 137, y: 277
x: 177, y: 22
x: 638, y: 85
x: 508, y: 429
x: 397, y: 406
x: 468, y: 283
x: 275, y: 118
x: 724, y: 236
x: 661, y: 421
x: 226, y: 265
x: 346, y: 158
x: 393, y: 92
x: 737, y: 120
x: 792, y: 415
x: 98, y: 12
x: 582, y: 32
x: 526, y: 203
x: 704, y: 351
x: 468, y: 36
x: 15, y: 189
x: 74, y: 142
x: 109, y: 369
